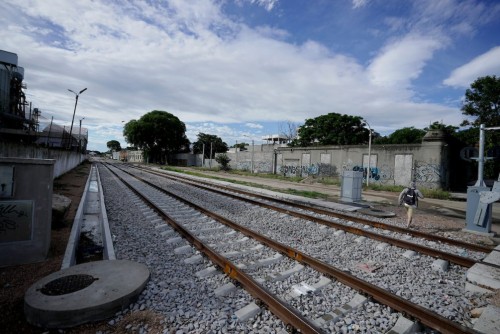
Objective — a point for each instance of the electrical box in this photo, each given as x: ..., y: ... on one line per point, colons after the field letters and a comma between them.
x: 6, y: 181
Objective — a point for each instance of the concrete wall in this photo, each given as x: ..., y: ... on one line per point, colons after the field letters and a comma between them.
x: 64, y: 160
x: 426, y: 163
x: 25, y: 210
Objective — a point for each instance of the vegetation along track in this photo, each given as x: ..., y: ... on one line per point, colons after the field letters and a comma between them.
x: 405, y: 284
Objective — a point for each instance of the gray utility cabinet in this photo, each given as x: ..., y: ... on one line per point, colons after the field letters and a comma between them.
x: 352, y: 185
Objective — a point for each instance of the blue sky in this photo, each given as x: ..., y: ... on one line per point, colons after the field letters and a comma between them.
x: 243, y: 69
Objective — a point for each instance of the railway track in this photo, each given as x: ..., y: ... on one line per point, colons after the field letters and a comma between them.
x: 362, y: 223
x: 320, y: 273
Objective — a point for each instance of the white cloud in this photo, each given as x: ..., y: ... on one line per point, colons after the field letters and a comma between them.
x: 254, y: 125
x: 187, y: 58
x: 402, y: 61
x: 487, y: 63
x: 359, y: 3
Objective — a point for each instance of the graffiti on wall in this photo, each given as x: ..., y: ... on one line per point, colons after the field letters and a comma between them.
x: 318, y: 169
x: 381, y: 174
x: 427, y: 172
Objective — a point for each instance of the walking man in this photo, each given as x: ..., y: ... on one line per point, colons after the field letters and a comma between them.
x: 409, y: 197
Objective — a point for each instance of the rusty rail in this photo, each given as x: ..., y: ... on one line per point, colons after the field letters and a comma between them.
x: 425, y: 316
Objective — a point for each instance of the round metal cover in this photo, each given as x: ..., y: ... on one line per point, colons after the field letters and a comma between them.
x: 67, y: 284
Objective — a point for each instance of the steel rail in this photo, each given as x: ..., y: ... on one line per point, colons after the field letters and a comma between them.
x: 457, y: 259
x: 281, y: 309
x: 425, y: 316
x: 432, y: 237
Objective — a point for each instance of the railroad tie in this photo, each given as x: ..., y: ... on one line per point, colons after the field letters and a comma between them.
x: 355, y: 303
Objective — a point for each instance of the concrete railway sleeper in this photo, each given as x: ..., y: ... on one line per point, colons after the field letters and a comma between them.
x: 309, y: 208
x: 381, y: 294
x: 452, y: 251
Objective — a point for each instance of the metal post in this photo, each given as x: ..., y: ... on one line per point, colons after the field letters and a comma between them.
x: 481, y: 159
x: 479, y: 182
x: 211, y: 155
x: 252, y: 155
x: 369, y: 153
x: 203, y: 157
x: 74, y: 112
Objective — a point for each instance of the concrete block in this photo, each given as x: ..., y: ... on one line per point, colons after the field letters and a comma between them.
x: 409, y: 254
x: 360, y: 239
x: 247, y: 312
x: 355, y: 303
x: 225, y: 289
x: 183, y: 249
x: 404, y: 326
x: 174, y: 240
x: 489, y: 321
x: 207, y: 272
x: 485, y: 276
x: 440, y: 265
x: 304, y: 288
x: 474, y: 288
x: 167, y: 233
x: 339, y: 233
x: 382, y: 246
x: 194, y: 259
x: 493, y: 258
x: 161, y: 227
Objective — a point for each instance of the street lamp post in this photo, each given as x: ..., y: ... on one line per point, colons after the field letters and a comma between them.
x: 369, y: 153
x: 80, y: 136
x: 74, y: 112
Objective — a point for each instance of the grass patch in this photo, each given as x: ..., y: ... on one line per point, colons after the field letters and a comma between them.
x: 428, y: 193
x: 304, y: 193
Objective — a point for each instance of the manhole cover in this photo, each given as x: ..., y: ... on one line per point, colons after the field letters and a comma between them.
x: 67, y: 284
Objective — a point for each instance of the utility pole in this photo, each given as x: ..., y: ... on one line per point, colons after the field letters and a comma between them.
x: 74, y: 112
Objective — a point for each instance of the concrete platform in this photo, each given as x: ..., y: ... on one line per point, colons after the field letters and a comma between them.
x: 86, y: 292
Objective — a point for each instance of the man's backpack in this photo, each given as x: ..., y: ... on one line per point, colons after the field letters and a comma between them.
x: 410, y: 197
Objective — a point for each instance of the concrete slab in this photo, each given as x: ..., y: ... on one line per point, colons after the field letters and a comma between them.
x: 484, y: 276
x: 247, y: 312
x: 114, y: 284
x: 382, y: 246
x: 474, y: 288
x: 304, y: 288
x: 489, y: 321
x: 283, y: 275
x: 493, y: 258
x: 409, y: 254
x: 207, y: 272
x: 355, y: 303
x: 194, y: 259
x: 225, y: 289
x: 184, y: 249
x: 404, y: 326
x: 440, y: 265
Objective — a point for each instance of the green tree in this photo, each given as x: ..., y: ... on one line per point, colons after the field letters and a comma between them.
x: 447, y: 129
x: 408, y: 135
x: 223, y: 160
x: 241, y: 146
x: 482, y: 100
x: 210, y: 141
x: 114, y: 145
x: 332, y: 129
x: 159, y: 134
